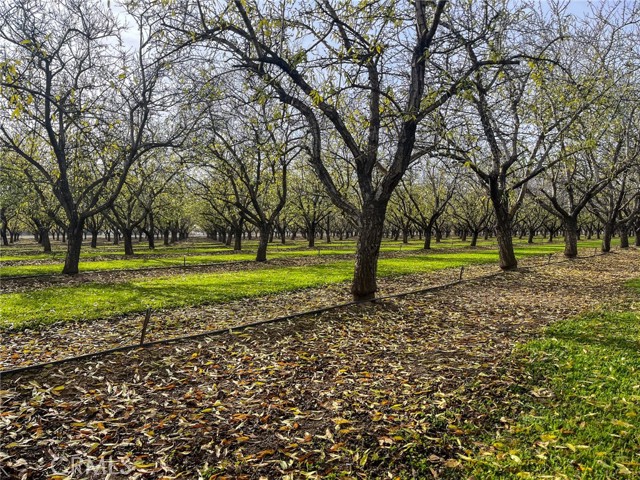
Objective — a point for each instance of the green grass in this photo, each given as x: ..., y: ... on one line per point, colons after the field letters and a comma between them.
x: 92, y: 300
x: 197, y: 254
x: 589, y: 427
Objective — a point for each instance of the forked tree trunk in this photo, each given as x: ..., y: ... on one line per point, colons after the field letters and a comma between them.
x: 570, y: 237
x: 74, y: 245
x: 364, y: 284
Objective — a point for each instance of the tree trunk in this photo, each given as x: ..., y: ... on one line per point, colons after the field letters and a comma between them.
x: 127, y: 236
x: 263, y: 243
x: 45, y: 241
x: 505, y: 241
x: 570, y: 237
x: 165, y: 235
x: 237, y: 244
x: 150, y: 231
x: 624, y: 237
x: 606, y: 238
x: 94, y: 238
x: 174, y: 235
x: 3, y: 227
x: 328, y: 230
x: 638, y: 237
x: 74, y: 245
x: 364, y: 284
x: 532, y: 234
x: 474, y: 238
x: 311, y: 236
x: 405, y: 235
x: 427, y: 239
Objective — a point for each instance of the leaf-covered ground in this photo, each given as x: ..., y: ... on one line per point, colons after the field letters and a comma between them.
x: 364, y: 391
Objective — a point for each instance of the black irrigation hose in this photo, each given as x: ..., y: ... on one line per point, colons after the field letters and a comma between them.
x: 258, y: 323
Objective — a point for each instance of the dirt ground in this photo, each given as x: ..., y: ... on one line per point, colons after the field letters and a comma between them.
x: 358, y: 392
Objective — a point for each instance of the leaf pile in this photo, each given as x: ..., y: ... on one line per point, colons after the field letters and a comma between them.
x: 355, y: 392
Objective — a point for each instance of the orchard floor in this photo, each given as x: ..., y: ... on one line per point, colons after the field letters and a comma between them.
x: 64, y: 339
x: 367, y: 391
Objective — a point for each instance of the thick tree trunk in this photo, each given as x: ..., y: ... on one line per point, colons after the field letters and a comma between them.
x: 405, y: 235
x: 503, y: 236
x: 638, y: 237
x: 174, y: 235
x: 151, y: 240
x: 45, y: 241
x: 94, y: 238
x: 606, y: 238
x: 624, y: 237
x: 570, y: 237
x: 474, y: 238
x: 263, y: 243
x: 74, y: 245
x: 311, y: 236
x: 237, y: 244
x: 127, y: 236
x: 364, y: 284
x: 427, y: 239
x: 165, y: 235
x: 463, y: 235
x: 532, y: 234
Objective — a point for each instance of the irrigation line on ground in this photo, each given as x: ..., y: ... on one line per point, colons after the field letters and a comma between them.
x: 239, y: 328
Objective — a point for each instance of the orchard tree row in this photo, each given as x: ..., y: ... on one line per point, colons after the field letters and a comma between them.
x: 283, y: 118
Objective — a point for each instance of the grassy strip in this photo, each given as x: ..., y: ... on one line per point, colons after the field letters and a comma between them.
x: 93, y: 300
x: 582, y: 408
x: 195, y: 256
